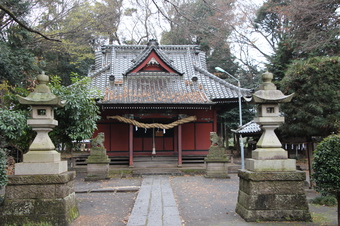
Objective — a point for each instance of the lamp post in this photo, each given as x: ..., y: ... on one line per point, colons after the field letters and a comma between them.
x: 240, y: 111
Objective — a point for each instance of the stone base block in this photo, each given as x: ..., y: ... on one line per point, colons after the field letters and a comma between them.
x: 42, y: 156
x: 269, y: 153
x: 39, y: 200
x: 94, y: 159
x: 97, y: 172
x: 272, y: 215
x: 98, y: 155
x: 274, y: 165
x: 272, y: 196
x: 216, y: 169
x: 35, y: 168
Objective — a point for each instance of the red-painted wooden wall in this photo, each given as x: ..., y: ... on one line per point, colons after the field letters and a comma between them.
x: 195, y: 136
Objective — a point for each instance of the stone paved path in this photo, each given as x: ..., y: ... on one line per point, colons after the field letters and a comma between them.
x: 155, y: 204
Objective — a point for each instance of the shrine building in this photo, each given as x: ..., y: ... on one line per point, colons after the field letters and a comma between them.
x: 158, y: 100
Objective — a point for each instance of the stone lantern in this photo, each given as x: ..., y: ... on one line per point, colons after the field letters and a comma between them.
x: 42, y: 190
x: 271, y: 189
x: 41, y: 157
x: 269, y: 146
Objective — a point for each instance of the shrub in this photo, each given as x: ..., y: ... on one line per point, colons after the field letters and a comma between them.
x: 326, y: 168
x: 3, y: 176
x: 325, y: 200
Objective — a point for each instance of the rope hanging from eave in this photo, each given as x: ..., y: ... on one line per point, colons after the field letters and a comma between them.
x: 154, y: 125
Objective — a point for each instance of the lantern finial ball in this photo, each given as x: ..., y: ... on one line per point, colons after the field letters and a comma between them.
x: 267, y: 77
x: 42, y: 78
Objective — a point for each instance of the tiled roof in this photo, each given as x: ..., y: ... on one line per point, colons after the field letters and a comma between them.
x: 155, y: 88
x: 188, y: 62
x: 250, y: 127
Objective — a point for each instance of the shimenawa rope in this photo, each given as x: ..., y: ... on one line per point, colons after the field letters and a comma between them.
x: 153, y: 125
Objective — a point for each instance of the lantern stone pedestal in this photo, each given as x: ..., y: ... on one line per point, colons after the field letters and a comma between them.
x: 98, y: 163
x: 42, y: 190
x: 40, y: 199
x: 272, y: 196
x: 270, y: 187
x: 216, y: 161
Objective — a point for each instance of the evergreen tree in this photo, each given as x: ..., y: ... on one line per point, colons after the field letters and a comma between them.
x: 77, y: 119
x: 17, y: 63
x: 315, y: 108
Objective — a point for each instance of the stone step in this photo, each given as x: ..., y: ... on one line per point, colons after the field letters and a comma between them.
x: 80, y: 160
x: 157, y: 171
x: 110, y: 189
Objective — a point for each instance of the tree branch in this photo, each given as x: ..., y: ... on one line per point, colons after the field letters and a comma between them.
x: 249, y: 42
x: 161, y: 11
x: 176, y: 8
x: 10, y: 14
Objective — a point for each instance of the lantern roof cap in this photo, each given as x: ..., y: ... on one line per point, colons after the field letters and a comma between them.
x: 42, y: 94
x: 268, y: 93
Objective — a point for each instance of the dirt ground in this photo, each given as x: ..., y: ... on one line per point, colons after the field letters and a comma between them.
x: 104, y: 208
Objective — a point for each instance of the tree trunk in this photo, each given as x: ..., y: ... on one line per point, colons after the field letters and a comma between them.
x: 226, y: 129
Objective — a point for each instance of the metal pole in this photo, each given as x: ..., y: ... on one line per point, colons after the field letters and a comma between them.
x: 240, y: 112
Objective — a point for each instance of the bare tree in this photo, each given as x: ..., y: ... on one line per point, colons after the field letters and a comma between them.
x: 6, y: 21
x: 303, y: 23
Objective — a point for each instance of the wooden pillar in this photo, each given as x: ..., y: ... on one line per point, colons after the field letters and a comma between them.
x: 215, y: 123
x: 175, y: 142
x: 130, y: 145
x: 220, y: 129
x: 179, y: 142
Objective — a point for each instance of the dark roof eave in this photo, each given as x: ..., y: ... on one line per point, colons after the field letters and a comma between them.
x: 158, y: 105
x: 228, y: 100
x: 155, y: 104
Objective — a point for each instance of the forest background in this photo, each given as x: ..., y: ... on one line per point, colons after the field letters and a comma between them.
x: 297, y: 40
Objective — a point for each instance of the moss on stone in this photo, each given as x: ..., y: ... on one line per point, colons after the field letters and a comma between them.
x: 73, y: 214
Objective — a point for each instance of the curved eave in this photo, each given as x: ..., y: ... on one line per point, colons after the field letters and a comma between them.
x: 244, y: 92
x: 260, y: 99
x: 50, y: 100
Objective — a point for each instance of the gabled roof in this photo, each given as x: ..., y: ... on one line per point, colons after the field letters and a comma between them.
x: 152, y: 47
x: 185, y: 78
